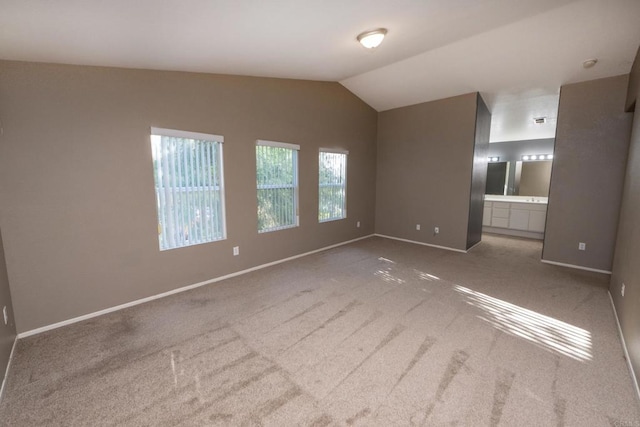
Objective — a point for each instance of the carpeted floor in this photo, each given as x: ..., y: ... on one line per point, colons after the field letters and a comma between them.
x: 378, y: 332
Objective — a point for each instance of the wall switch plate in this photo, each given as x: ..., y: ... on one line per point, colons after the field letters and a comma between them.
x: 436, y: 230
x: 358, y: 224
x: 236, y: 250
x: 417, y: 226
x: 622, y: 289
x: 582, y: 246
x: 6, y: 316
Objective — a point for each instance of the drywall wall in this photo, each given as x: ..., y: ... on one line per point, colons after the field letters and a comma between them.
x: 79, y: 213
x: 479, y: 172
x: 8, y: 331
x: 592, y: 140
x: 626, y: 268
x: 425, y: 159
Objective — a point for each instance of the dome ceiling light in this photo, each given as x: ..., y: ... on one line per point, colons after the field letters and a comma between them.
x: 372, y: 39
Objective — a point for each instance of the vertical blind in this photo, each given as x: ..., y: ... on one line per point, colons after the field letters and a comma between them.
x: 332, y: 203
x: 189, y: 187
x: 277, y: 185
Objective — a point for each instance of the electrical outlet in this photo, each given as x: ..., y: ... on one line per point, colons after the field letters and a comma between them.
x: 622, y: 289
x: 6, y: 316
x: 436, y: 230
x: 358, y: 224
x: 418, y: 227
x: 236, y: 250
x: 582, y: 246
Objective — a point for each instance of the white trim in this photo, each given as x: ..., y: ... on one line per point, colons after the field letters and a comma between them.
x: 278, y: 144
x: 178, y: 290
x: 186, y: 134
x: 334, y: 150
x: 6, y: 372
x: 421, y: 243
x: 579, y: 267
x: 624, y: 347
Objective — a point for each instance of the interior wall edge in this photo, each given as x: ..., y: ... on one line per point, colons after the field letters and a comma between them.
x: 415, y: 242
x: 624, y: 347
x: 577, y: 267
x: 6, y: 372
x: 119, y: 307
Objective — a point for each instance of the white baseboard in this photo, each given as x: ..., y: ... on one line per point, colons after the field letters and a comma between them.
x: 579, y: 267
x: 421, y: 243
x: 624, y: 347
x: 178, y: 290
x: 6, y: 372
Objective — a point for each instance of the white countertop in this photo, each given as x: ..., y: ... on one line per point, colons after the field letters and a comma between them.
x: 516, y: 199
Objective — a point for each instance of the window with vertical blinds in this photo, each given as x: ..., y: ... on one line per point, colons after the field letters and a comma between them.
x: 189, y: 184
x: 332, y: 203
x: 277, y: 185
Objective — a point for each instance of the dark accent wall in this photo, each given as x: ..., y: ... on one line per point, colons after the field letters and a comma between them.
x: 626, y: 268
x: 634, y: 84
x: 79, y: 211
x: 479, y: 172
x: 592, y: 140
x: 8, y: 331
x: 425, y: 160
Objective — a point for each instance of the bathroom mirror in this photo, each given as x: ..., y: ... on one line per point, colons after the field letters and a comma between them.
x: 533, y: 178
x: 497, y: 178
x: 530, y: 178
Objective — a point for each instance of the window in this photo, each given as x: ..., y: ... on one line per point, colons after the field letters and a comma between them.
x: 187, y: 169
x: 277, y: 182
x: 332, y: 203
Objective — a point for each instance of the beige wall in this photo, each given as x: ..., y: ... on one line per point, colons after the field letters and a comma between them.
x: 8, y: 331
x: 626, y: 268
x: 425, y: 158
x: 78, y: 211
x: 592, y: 139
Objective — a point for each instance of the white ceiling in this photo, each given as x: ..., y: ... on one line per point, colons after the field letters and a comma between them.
x: 517, y: 53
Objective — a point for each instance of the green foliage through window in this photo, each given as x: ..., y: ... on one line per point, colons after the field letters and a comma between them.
x: 189, y: 190
x: 332, y: 191
x: 277, y: 186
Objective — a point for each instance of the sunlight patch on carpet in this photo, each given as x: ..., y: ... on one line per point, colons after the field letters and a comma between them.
x: 549, y: 333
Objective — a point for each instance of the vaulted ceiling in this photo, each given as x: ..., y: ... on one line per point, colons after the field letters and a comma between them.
x: 517, y: 53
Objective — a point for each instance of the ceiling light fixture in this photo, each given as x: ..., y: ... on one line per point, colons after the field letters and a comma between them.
x: 589, y: 63
x: 528, y: 157
x: 372, y: 39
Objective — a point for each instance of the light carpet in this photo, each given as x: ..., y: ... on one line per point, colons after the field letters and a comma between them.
x: 376, y: 333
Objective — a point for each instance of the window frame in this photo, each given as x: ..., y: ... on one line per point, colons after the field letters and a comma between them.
x: 219, y: 160
x: 344, y: 185
x: 295, y: 148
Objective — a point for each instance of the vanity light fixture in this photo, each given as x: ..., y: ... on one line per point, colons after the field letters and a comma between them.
x: 372, y: 39
x: 494, y: 159
x: 527, y: 157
